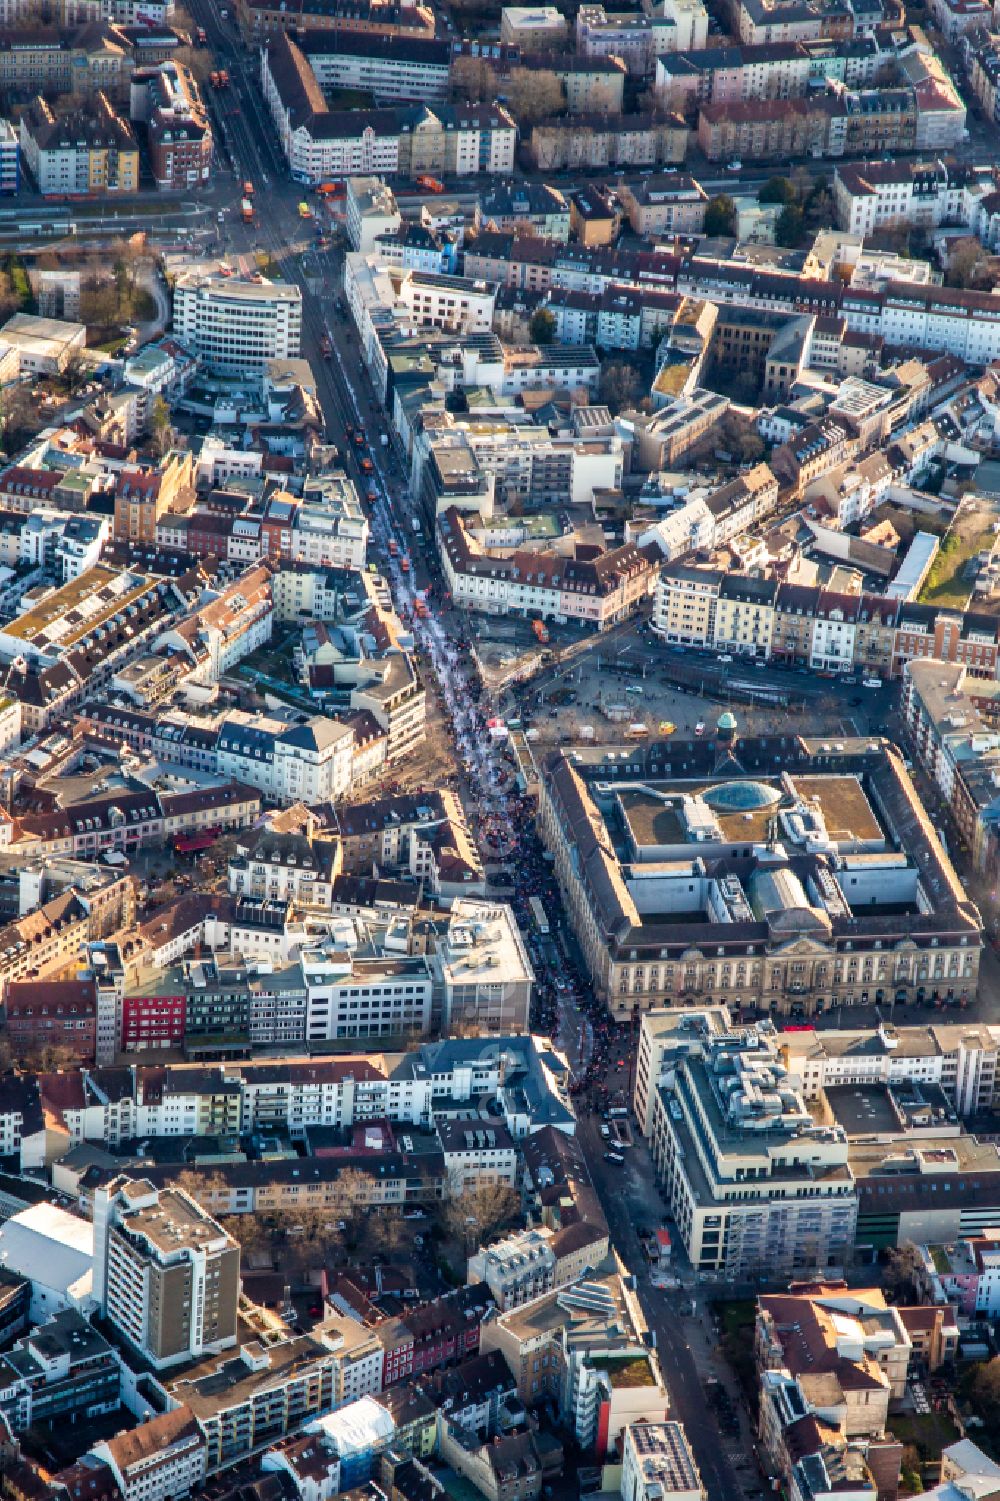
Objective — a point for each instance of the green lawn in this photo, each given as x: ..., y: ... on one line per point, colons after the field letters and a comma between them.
x: 930, y: 1432
x: 946, y: 584
x: 20, y: 284
x: 737, y: 1319
x: 143, y: 306
x: 348, y: 98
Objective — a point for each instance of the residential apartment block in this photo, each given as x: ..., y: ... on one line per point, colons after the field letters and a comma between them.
x: 600, y: 590
x: 950, y: 716
x: 179, y: 135
x: 874, y: 195
x: 806, y: 625
x: 321, y: 143
x: 83, y: 155
x: 165, y: 1274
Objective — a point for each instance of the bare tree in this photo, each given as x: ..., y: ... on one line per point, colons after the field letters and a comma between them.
x: 252, y: 1233
x: 346, y: 1204
x: 963, y: 263
x: 473, y: 1215
x: 534, y: 95
x: 473, y: 80
x: 900, y: 1275
x: 49, y: 1058
x: 386, y: 1230
x: 160, y: 426
x: 19, y: 416
x: 620, y: 384
x: 198, y: 60
x: 209, y: 1189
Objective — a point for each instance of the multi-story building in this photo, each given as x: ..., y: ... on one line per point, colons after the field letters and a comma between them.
x: 165, y: 1274
x: 960, y: 1059
x: 685, y: 604
x: 634, y: 36
x: 476, y: 1153
x: 665, y: 1035
x: 179, y: 134
x: 351, y: 996
x: 369, y: 17
x: 744, y: 616
x: 879, y: 910
x: 964, y: 1277
x: 358, y: 1371
x: 62, y: 1371
x: 286, y: 867
x: 599, y: 590
x: 853, y: 1335
x: 321, y: 143
x: 770, y: 129
x: 310, y: 762
x: 517, y: 1269
x: 158, y: 1459
x: 143, y: 494
x: 726, y: 75
x: 658, y: 1465
x: 752, y: 1181
x: 200, y: 1100
x: 836, y: 632
x: 533, y: 28
x: 391, y: 68
x: 670, y: 203
x: 819, y: 447
x: 81, y: 58
x: 438, y: 1333
x: 566, y: 1348
x: 237, y: 326
x: 950, y: 719
x: 43, y: 1014
x: 10, y: 158
x: 826, y: 1383
x: 874, y: 195
x: 370, y: 211
x: 545, y: 208
x: 984, y: 72
x: 789, y: 20
x: 606, y: 141
x: 260, y: 1394
x: 87, y: 154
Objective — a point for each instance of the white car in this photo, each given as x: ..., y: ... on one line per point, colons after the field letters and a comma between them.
x: 699, y: 728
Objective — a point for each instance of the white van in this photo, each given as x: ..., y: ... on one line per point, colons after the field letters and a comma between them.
x: 871, y: 682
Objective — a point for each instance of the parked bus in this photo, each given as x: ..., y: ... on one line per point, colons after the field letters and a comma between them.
x: 538, y: 913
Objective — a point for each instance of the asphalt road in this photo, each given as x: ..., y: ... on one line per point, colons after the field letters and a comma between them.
x: 662, y: 1310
